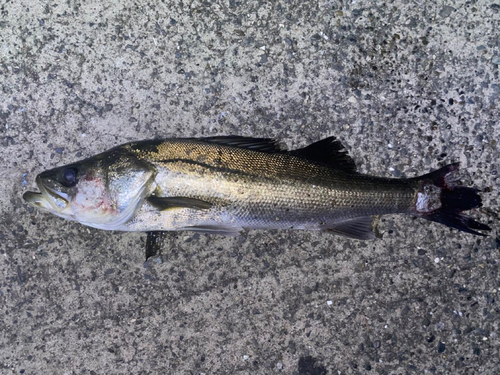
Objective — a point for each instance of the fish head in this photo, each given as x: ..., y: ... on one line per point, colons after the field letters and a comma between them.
x: 103, y: 191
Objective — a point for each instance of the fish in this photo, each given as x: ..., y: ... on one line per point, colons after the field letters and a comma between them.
x: 229, y: 184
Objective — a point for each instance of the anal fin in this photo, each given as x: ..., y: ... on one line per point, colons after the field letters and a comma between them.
x: 359, y: 228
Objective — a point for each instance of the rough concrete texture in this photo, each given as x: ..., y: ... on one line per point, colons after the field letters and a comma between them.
x: 406, y: 85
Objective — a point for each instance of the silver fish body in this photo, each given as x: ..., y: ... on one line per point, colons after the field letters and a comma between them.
x: 228, y: 184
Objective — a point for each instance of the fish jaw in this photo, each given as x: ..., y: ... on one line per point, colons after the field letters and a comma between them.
x: 36, y: 200
x: 47, y: 199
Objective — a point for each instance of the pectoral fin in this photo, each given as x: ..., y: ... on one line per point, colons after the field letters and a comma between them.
x: 213, y: 229
x: 168, y: 203
x: 360, y: 228
x: 154, y: 243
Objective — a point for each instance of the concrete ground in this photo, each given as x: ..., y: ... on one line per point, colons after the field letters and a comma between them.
x: 406, y: 85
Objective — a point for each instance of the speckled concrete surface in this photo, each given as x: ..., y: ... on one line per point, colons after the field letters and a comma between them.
x: 406, y: 86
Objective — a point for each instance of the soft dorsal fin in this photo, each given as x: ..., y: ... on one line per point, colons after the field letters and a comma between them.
x: 327, y: 151
x: 254, y: 144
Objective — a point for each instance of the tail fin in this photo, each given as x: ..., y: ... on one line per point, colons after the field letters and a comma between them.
x: 441, y: 199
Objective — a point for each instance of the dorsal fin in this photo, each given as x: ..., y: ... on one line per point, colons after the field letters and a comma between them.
x: 254, y: 144
x: 327, y: 151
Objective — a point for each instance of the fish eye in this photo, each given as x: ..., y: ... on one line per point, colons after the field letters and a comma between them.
x: 69, y: 177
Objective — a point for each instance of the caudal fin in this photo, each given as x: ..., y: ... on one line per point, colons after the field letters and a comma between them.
x: 441, y: 199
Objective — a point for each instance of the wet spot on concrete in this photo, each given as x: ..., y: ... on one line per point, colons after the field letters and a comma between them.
x: 310, y: 366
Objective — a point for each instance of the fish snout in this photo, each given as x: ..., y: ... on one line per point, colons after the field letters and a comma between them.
x: 36, y: 199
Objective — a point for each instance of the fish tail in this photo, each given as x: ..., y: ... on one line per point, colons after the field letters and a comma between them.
x: 441, y: 199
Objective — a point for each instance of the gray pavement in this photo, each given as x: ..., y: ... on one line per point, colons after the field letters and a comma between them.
x: 406, y: 85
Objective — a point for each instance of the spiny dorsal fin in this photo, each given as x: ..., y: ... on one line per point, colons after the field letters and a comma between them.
x: 327, y: 151
x: 360, y: 228
x: 254, y: 144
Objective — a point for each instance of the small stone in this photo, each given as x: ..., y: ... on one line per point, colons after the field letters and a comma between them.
x: 441, y: 347
x: 496, y: 60
x: 329, y: 303
x: 396, y: 173
x: 446, y: 11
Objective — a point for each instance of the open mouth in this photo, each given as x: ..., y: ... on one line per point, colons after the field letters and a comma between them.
x: 36, y: 199
x: 47, y: 198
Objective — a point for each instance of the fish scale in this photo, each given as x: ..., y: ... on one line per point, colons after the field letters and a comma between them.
x: 260, y: 190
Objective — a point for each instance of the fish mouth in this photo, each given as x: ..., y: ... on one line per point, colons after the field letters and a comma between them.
x: 36, y: 199
x: 47, y: 198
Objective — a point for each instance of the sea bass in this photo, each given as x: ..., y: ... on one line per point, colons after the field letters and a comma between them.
x: 224, y: 185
